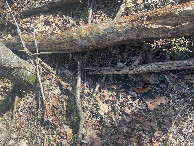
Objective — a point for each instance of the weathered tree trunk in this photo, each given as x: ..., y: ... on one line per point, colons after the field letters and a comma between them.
x: 168, y: 22
x: 16, y: 69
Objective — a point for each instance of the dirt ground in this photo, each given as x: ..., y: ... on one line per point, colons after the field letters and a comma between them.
x: 142, y: 109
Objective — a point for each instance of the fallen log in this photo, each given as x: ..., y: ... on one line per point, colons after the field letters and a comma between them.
x: 168, y: 22
x: 151, y: 67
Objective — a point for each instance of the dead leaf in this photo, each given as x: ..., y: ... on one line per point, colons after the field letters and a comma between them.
x: 91, y: 136
x: 155, y: 143
x: 97, y: 141
x: 106, y: 94
x: 23, y: 142
x: 55, y: 101
x: 156, y: 102
x: 101, y: 18
x: 48, y: 76
x: 127, y: 110
x: 103, y: 108
x: 48, y: 113
x: 114, y: 87
x: 85, y: 91
x: 69, y: 134
x: 9, y: 36
x: 142, y: 90
x: 138, y: 1
x: 137, y: 61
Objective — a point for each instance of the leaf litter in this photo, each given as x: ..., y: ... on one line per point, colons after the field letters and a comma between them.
x: 126, y: 110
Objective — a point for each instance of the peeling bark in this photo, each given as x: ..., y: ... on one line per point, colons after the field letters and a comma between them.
x: 174, y: 21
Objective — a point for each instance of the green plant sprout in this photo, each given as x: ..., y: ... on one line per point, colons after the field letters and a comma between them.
x: 179, y: 44
x: 110, y: 92
x: 51, y: 140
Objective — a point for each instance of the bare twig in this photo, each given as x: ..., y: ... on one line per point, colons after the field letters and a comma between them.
x: 35, y: 41
x: 182, y: 108
x: 38, y: 75
x: 18, y: 29
x: 97, y: 86
x: 90, y: 11
x: 151, y: 67
x: 20, y: 36
x: 47, y: 53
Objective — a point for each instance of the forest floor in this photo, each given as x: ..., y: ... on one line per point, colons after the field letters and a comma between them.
x: 140, y: 109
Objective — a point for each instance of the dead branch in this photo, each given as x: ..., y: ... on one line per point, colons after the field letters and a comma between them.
x: 79, y: 101
x: 39, y: 79
x: 48, y: 7
x: 151, y: 67
x: 174, y: 21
